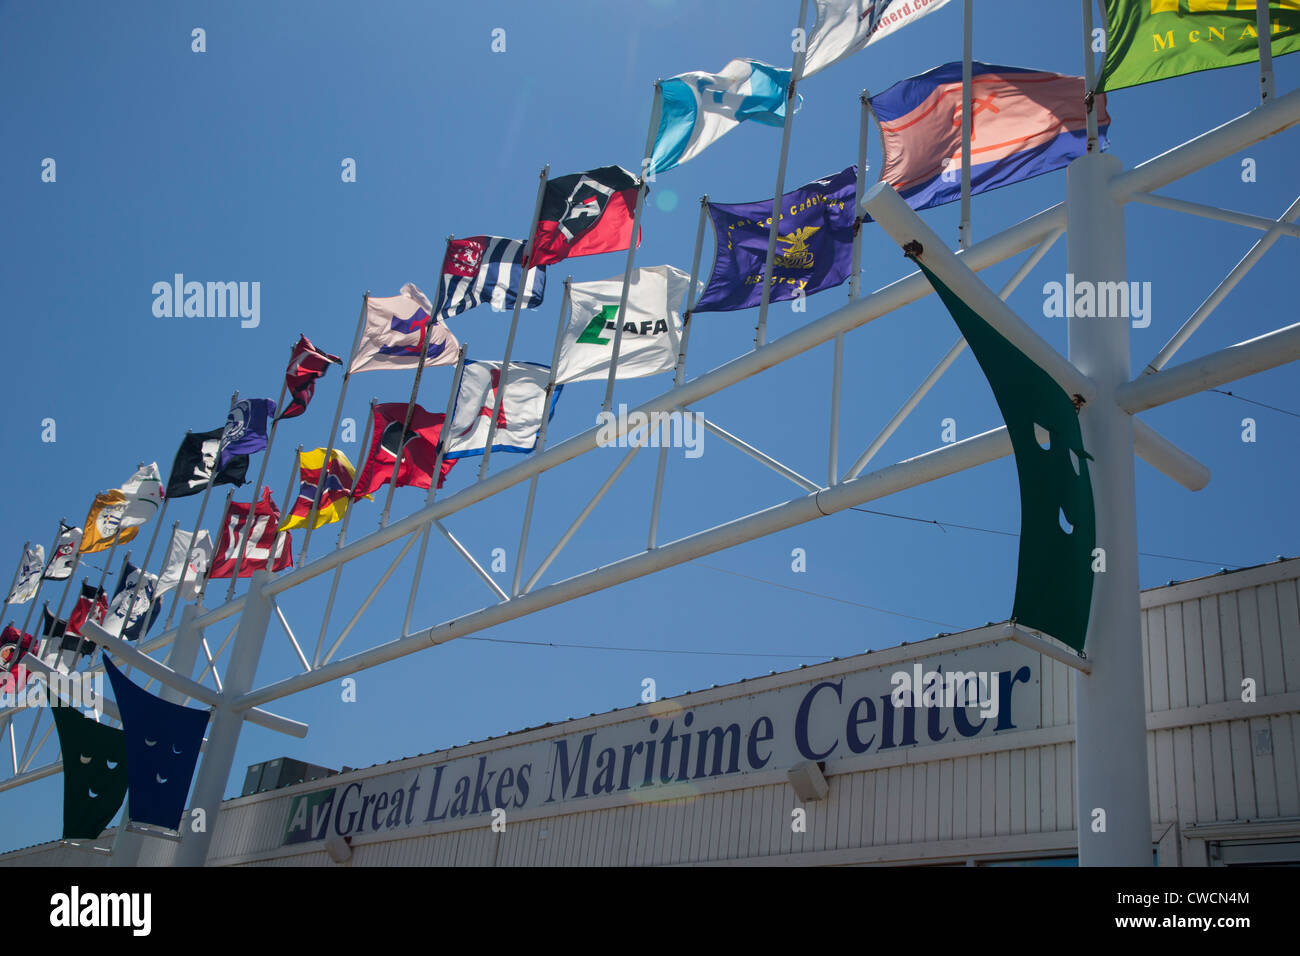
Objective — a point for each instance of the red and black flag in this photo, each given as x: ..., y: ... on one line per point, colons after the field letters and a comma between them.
x: 14, y: 646
x: 584, y: 214
x: 419, y: 444
x: 306, y: 364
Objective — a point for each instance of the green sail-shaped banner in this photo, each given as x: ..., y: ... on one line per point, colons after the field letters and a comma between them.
x: 1058, y: 523
x: 94, y: 773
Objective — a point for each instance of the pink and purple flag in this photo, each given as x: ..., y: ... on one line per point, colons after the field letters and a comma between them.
x: 1023, y: 123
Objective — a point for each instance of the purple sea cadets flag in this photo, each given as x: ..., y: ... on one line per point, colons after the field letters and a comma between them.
x: 246, y: 428
x: 1023, y: 123
x: 814, y: 245
x: 391, y: 338
x: 306, y: 364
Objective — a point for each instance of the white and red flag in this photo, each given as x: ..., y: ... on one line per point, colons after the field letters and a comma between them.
x: 264, y: 547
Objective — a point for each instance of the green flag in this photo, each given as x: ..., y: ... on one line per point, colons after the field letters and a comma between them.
x: 1155, y: 39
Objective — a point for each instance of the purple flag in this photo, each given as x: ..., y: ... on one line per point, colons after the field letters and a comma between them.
x: 814, y: 245
x: 246, y: 428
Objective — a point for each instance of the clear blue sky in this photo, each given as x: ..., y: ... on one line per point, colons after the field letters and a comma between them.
x: 225, y: 166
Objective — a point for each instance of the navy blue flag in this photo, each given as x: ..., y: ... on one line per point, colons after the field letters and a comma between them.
x: 814, y: 245
x: 162, y: 749
x: 246, y: 428
x: 134, y: 607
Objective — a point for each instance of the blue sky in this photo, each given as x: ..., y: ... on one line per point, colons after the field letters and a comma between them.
x: 225, y: 166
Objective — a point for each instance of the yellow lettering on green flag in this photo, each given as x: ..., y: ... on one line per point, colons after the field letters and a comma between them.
x: 1151, y: 40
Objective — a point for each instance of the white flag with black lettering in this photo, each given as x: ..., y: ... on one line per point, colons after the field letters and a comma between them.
x: 652, y: 326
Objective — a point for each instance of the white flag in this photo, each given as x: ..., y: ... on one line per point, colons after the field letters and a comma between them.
x: 29, y: 575
x: 144, y: 496
x: 844, y: 27
x: 65, y: 552
x: 391, y: 338
x: 652, y: 326
x: 191, y: 558
x: 521, y: 408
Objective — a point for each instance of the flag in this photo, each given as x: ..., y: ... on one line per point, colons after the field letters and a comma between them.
x: 14, y: 646
x: 814, y: 245
x: 521, y: 408
x: 135, y: 603
x: 92, y: 605
x: 144, y: 495
x: 338, y: 488
x: 843, y: 27
x: 52, y: 629
x: 1150, y: 40
x: 30, y: 566
x: 103, y: 522
x: 65, y: 552
x: 1023, y: 123
x: 306, y: 364
x: 584, y: 214
x: 652, y: 326
x: 698, y: 108
x: 420, y: 446
x: 262, y: 540
x: 391, y: 337
x: 247, y: 425
x: 486, y: 269
x: 192, y: 468
x: 190, y: 555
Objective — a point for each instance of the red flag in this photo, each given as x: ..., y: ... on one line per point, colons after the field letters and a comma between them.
x: 92, y: 605
x: 421, y: 449
x: 307, y: 364
x: 14, y: 646
x: 584, y: 214
x: 262, y: 540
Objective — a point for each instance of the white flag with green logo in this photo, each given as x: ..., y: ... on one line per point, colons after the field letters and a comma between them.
x: 652, y: 326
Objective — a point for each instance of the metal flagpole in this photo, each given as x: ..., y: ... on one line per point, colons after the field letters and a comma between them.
x: 855, y: 286
x: 1089, y: 77
x: 17, y: 570
x: 796, y: 72
x: 433, y: 487
x: 678, y: 373
x: 198, y: 523
x: 63, y: 599
x: 288, y: 490
x: 1265, y: 31
x: 967, y: 123
x: 257, y: 492
x: 343, y: 531
x: 514, y: 321
x: 129, y: 603
x: 566, y: 307
x: 406, y: 424
x: 103, y: 576
x: 207, y: 575
x: 643, y: 187
x: 40, y: 586
x: 334, y: 426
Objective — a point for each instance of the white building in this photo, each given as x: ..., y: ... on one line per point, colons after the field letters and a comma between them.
x: 717, y: 776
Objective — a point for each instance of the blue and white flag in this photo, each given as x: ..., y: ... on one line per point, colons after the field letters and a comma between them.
x: 135, y: 603
x: 487, y: 269
x: 698, y: 108
x: 246, y: 429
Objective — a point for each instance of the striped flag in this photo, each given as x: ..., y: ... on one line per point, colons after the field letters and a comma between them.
x: 486, y: 269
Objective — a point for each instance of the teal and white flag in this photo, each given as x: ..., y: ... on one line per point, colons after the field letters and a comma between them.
x: 698, y: 108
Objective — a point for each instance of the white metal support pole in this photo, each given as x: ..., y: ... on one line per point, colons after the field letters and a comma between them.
x: 688, y: 305
x: 223, y: 731
x: 1265, y: 31
x: 334, y: 426
x: 1110, y: 731
x: 796, y: 73
x: 642, y: 188
x: 855, y: 286
x: 565, y: 307
x: 514, y: 321
x: 967, y: 124
x: 185, y: 651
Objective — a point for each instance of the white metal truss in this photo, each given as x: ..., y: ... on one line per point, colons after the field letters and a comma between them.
x: 235, y: 699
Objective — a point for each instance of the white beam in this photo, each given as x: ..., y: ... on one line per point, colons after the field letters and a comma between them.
x: 1166, y: 457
